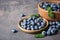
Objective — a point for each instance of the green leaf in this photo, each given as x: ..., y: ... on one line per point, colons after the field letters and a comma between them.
x: 39, y: 35
x: 51, y: 15
x: 50, y: 12
x: 36, y: 15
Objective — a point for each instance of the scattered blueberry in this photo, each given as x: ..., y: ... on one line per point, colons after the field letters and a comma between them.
x: 49, y: 28
x: 57, y: 26
x: 53, y: 31
x: 44, y: 33
x: 49, y: 32
x: 23, y: 15
x: 53, y: 26
x: 14, y: 30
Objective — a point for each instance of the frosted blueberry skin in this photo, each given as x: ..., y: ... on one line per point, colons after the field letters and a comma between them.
x: 53, y: 27
x: 14, y: 31
x: 54, y: 7
x: 48, y: 32
x: 58, y: 5
x: 22, y: 15
x: 44, y: 33
x: 58, y: 10
x: 53, y: 31
x: 33, y: 23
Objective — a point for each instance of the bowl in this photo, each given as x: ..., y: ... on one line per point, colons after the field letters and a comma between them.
x: 44, y: 13
x: 31, y: 31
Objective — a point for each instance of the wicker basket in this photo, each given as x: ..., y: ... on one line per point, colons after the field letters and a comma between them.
x: 31, y: 31
x: 44, y: 13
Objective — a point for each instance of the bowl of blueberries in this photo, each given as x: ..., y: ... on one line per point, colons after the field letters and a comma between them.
x: 32, y: 24
x: 55, y: 7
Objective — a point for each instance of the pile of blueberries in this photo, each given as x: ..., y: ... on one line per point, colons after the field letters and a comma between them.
x: 33, y: 23
x: 53, y: 28
x: 54, y: 7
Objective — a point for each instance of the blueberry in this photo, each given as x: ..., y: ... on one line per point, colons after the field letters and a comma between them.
x: 53, y: 31
x: 24, y: 20
x: 14, y: 30
x: 50, y: 28
x: 24, y: 27
x: 28, y: 28
x: 42, y: 26
x: 31, y: 22
x: 32, y: 28
x: 39, y: 27
x: 58, y: 5
x: 29, y: 19
x: 38, y: 23
x: 44, y: 6
x: 21, y: 23
x: 53, y: 22
x: 35, y: 21
x: 38, y: 19
x: 57, y: 22
x: 41, y: 5
x: 23, y: 15
x: 57, y: 26
x: 44, y: 21
x: 28, y: 22
x: 54, y: 7
x: 48, y: 32
x: 50, y: 22
x: 44, y: 33
x: 53, y: 26
x: 28, y: 25
x: 35, y: 27
x: 46, y: 3
x: 58, y: 10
